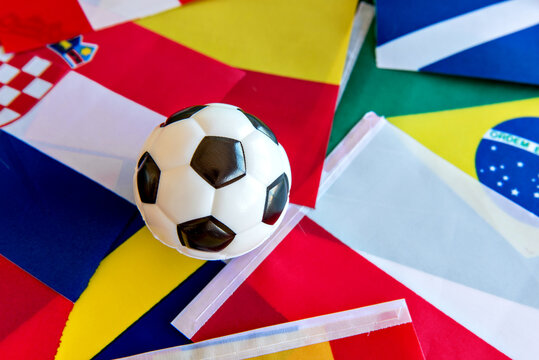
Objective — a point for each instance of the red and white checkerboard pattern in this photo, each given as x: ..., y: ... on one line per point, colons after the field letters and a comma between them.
x: 24, y: 80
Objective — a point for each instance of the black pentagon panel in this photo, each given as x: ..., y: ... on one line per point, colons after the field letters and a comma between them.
x: 260, y: 126
x: 148, y: 174
x: 276, y: 198
x: 206, y: 234
x: 183, y: 114
x: 219, y: 160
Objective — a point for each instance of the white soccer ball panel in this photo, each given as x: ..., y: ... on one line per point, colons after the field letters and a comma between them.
x: 240, y: 205
x: 263, y: 160
x: 207, y: 206
x: 222, y: 105
x: 287, y: 169
x: 176, y: 144
x: 248, y: 240
x: 202, y: 255
x: 183, y: 195
x: 150, y: 140
x: 160, y: 225
x: 224, y: 122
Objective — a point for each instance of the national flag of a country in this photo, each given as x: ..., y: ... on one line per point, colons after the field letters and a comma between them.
x: 96, y: 118
x: 493, y: 39
x: 461, y: 245
x: 496, y: 144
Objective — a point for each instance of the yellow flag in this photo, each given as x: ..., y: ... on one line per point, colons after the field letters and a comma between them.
x: 127, y: 283
x: 303, y: 39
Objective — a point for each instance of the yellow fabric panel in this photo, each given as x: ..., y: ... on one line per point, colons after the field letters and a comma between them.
x: 455, y: 134
x: 305, y: 39
x: 320, y: 351
x: 127, y: 283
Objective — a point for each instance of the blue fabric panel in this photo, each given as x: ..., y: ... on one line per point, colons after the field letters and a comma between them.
x: 509, y: 170
x: 397, y: 17
x: 514, y: 57
x: 153, y: 331
x: 56, y: 223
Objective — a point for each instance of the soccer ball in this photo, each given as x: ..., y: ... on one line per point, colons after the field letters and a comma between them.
x: 212, y: 182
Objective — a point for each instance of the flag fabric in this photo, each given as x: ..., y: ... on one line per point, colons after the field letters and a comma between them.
x: 493, y: 39
x: 497, y: 144
x: 382, y: 331
x: 73, y: 185
x: 34, y: 24
x: 58, y: 224
x: 292, y: 85
x: 394, y: 93
x: 153, y: 330
x: 450, y: 256
x: 311, y: 273
x: 438, y: 223
x: 102, y: 142
x: 298, y: 100
x: 33, y: 315
x: 24, y: 80
x: 137, y: 337
x: 115, y: 107
x: 127, y: 284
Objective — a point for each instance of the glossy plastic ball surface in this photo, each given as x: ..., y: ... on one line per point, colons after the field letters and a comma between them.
x: 212, y: 182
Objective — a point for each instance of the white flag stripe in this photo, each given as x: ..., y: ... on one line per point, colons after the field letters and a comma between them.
x: 91, y: 129
x: 510, y: 327
x: 436, y: 42
x: 105, y: 13
x: 292, y: 335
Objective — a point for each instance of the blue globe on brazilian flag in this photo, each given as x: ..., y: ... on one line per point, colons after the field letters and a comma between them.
x: 507, y: 161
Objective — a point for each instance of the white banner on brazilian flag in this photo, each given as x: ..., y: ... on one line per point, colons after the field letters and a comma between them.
x: 513, y: 140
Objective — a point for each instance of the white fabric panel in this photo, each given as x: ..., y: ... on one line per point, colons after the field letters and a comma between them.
x: 91, y: 129
x: 510, y: 327
x: 105, y: 13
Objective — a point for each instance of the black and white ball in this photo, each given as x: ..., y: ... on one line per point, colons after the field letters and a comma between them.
x: 212, y: 182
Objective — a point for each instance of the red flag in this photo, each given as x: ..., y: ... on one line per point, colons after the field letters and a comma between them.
x: 312, y: 273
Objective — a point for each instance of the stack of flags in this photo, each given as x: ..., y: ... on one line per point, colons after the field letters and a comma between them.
x: 432, y: 214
